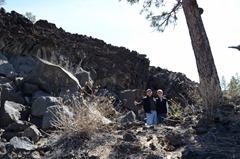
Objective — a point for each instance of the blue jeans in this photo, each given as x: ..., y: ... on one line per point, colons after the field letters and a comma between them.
x: 161, y: 117
x: 151, y: 118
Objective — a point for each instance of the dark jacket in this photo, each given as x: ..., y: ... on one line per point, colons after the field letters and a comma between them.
x: 145, y: 102
x: 161, y: 105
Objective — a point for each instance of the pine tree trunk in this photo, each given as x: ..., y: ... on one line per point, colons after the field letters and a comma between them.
x: 210, y: 87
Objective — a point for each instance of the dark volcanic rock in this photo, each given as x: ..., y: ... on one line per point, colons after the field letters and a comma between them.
x: 175, y: 85
x: 30, y: 89
x: 115, y: 68
x: 110, y: 67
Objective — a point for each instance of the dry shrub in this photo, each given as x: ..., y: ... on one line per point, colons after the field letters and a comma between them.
x: 105, y: 106
x: 78, y: 124
x: 103, y: 102
x: 79, y: 119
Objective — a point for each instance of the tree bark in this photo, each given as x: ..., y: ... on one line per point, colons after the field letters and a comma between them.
x: 210, y: 87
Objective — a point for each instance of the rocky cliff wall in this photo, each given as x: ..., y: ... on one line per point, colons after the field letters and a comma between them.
x: 111, y: 67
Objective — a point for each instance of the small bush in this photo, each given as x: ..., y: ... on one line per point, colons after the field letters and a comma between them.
x: 80, y: 119
x: 175, y: 110
x: 105, y: 107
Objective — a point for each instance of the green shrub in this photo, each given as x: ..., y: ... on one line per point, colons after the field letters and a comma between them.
x: 175, y: 109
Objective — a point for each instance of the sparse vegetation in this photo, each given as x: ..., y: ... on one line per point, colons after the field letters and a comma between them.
x: 81, y: 118
x: 105, y: 107
x: 74, y: 122
x: 31, y: 17
x: 234, y: 86
x: 231, y: 89
x: 175, y: 110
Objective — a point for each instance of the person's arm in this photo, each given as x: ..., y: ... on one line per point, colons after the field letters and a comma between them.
x: 138, y: 103
x: 167, y: 105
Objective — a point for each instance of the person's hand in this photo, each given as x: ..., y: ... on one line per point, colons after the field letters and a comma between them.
x: 136, y: 103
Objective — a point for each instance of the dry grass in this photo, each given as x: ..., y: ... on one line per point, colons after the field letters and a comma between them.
x: 79, y: 124
x: 80, y: 120
x: 105, y: 107
x: 75, y: 119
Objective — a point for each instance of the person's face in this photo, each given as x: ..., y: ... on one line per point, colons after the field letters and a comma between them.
x: 149, y: 93
x: 160, y: 94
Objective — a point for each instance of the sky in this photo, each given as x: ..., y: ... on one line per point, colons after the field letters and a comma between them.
x: 120, y: 24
